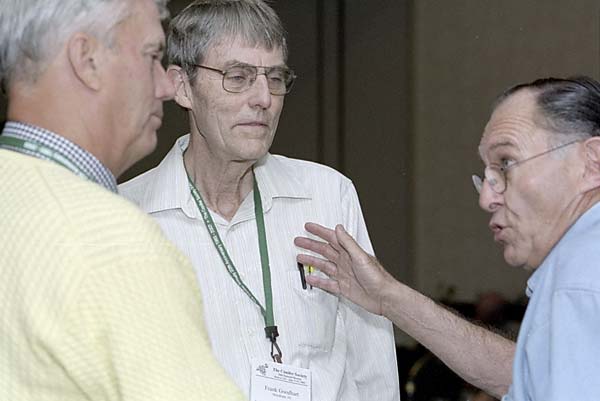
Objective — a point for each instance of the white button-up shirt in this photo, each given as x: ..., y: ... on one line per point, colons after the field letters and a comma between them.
x: 350, y: 352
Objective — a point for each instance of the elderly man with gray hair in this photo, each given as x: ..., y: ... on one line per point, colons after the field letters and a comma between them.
x: 234, y: 209
x: 95, y: 303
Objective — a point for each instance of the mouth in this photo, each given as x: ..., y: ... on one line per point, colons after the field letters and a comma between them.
x: 253, y: 124
x: 158, y: 117
x: 498, y: 230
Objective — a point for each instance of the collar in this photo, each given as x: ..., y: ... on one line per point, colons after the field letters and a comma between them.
x: 276, y: 179
x: 579, y: 229
x: 81, y: 158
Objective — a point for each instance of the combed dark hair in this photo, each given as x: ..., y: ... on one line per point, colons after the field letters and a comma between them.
x: 568, y: 106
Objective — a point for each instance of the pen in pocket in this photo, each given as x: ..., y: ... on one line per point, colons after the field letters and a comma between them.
x: 302, y: 277
x: 303, y: 272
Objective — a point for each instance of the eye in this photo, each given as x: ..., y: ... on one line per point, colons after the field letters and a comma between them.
x: 155, y: 57
x: 276, y: 76
x: 506, y: 163
x: 236, y: 75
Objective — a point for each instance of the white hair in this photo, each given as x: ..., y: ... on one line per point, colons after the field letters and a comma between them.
x: 32, y: 32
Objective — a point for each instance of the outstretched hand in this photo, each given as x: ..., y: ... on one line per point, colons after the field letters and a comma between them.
x: 351, y: 271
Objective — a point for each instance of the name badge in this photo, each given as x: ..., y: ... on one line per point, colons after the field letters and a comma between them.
x: 272, y: 381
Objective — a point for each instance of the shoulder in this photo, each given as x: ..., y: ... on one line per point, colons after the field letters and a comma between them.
x: 73, y: 227
x: 310, y: 173
x: 576, y: 258
x: 163, y: 186
x: 56, y: 199
x: 136, y: 188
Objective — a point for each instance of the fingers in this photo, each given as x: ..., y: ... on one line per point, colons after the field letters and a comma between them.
x: 328, y: 285
x: 348, y: 244
x: 321, y: 232
x: 322, y: 248
x: 323, y: 265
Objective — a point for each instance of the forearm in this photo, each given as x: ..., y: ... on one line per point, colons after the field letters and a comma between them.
x: 479, y: 356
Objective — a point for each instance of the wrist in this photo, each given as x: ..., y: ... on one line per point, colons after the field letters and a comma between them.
x: 386, y: 297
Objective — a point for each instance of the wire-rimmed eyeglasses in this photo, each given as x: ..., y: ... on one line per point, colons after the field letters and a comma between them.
x: 496, y: 175
x: 240, y: 78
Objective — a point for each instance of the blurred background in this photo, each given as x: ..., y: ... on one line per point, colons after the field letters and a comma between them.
x: 395, y: 94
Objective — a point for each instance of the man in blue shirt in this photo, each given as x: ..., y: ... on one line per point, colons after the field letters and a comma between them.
x: 541, y: 185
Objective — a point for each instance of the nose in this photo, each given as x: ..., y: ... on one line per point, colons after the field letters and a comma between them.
x: 260, y: 96
x: 163, y: 87
x: 489, y: 200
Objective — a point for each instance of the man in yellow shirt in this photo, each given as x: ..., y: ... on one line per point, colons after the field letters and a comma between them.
x: 95, y: 304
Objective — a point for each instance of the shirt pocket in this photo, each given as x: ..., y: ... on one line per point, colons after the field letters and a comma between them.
x: 312, y: 314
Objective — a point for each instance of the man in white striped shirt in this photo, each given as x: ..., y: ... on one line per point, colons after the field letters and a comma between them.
x: 235, y: 209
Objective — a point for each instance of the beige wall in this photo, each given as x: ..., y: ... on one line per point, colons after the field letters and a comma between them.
x: 466, y: 52
x: 395, y: 94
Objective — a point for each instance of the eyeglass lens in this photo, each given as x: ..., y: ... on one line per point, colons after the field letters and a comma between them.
x: 494, y: 178
x: 240, y: 78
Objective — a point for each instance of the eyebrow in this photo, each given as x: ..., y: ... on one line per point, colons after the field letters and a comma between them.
x: 502, y: 145
x: 232, y: 63
x: 155, y: 46
x: 497, y: 145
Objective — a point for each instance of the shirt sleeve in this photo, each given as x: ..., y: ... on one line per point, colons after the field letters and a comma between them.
x: 137, y: 333
x: 574, y: 347
x: 372, y: 350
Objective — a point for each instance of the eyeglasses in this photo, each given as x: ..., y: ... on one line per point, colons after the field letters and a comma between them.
x: 496, y: 175
x: 240, y: 78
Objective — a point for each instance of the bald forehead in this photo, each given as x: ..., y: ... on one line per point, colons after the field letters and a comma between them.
x: 513, y: 121
x: 521, y: 102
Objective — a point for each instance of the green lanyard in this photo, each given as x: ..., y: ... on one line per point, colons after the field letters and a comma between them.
x: 40, y: 150
x: 267, y: 311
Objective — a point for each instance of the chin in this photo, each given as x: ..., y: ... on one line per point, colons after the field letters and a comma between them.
x: 251, y: 153
x: 512, y: 258
x: 150, y: 141
x: 145, y: 145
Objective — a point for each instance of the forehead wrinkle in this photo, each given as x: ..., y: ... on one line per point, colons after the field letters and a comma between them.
x: 232, y: 47
x: 508, y: 129
x: 236, y: 62
x: 506, y: 143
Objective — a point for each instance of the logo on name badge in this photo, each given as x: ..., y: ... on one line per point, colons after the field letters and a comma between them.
x: 262, y: 369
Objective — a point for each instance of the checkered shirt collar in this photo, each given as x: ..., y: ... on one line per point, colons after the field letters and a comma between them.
x: 84, y: 160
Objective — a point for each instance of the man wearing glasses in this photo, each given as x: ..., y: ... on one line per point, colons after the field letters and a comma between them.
x: 235, y: 210
x: 541, y: 185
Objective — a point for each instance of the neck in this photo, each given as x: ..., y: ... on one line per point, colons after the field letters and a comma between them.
x: 569, y: 216
x: 223, y: 184
x: 60, y: 112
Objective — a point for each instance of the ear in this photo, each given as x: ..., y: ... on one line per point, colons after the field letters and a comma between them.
x: 83, y: 52
x: 592, y: 162
x: 180, y: 82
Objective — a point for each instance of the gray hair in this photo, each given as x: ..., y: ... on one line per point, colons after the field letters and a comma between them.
x: 33, y: 31
x: 568, y: 107
x: 206, y: 23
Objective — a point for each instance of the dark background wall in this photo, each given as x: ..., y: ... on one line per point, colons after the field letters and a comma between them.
x: 395, y: 94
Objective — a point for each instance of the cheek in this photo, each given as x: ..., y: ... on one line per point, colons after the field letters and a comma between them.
x: 278, y: 107
x: 524, y: 205
x: 534, y: 205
